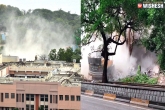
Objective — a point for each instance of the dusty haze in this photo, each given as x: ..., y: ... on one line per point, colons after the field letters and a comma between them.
x: 30, y: 36
x: 123, y: 64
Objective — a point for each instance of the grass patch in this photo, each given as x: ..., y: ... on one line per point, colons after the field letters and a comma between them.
x: 139, y: 78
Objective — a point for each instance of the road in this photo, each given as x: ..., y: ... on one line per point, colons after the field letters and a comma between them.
x: 94, y: 103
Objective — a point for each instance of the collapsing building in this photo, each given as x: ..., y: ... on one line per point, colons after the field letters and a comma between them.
x: 126, y: 60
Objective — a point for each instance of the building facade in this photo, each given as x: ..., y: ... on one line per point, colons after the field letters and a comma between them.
x: 26, y: 95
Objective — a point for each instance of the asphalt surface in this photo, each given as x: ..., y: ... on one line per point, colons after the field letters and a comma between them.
x: 94, y: 103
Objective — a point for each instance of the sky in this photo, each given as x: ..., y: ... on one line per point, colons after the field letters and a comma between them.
x: 67, y: 5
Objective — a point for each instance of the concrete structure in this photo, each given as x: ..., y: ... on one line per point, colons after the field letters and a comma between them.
x: 30, y: 71
x: 4, y: 71
x: 96, y: 67
x: 150, y: 96
x: 31, y: 95
x: 8, y: 59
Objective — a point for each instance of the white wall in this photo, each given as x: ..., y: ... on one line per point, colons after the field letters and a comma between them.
x: 3, y: 72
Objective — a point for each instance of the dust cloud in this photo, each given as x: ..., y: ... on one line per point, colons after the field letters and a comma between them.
x: 123, y: 64
x: 32, y: 35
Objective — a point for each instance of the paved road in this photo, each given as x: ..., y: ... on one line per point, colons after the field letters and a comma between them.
x: 94, y: 103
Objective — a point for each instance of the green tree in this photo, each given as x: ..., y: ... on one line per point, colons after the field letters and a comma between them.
x: 155, y: 42
x: 102, y: 18
x: 77, y: 37
x: 41, y: 107
x: 53, y: 54
x: 77, y: 55
x: 61, y: 54
x: 68, y: 54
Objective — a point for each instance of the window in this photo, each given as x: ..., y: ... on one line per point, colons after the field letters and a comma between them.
x: 42, y: 106
x: 32, y: 107
x: 32, y: 97
x: 41, y: 97
x: 72, y: 97
x: 50, y: 98
x: 56, y: 99
x: 78, y: 98
x: 46, y: 107
x: 61, y: 97
x: 1, y: 97
x: 7, y: 108
x: 22, y: 97
x: 17, y: 98
x: 46, y: 98
x: 6, y: 95
x: 12, y: 95
x: 27, y: 107
x: 27, y: 97
x: 66, y: 97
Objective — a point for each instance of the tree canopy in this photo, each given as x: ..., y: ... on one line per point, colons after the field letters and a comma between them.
x: 53, y: 54
x: 155, y: 42
x: 65, y: 55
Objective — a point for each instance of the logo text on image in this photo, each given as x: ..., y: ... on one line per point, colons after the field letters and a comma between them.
x: 140, y: 5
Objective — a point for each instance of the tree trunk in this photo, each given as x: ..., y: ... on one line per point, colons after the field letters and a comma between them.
x: 105, y: 55
x: 104, y: 76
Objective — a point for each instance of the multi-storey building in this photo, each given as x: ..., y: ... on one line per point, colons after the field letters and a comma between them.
x: 30, y: 86
x: 26, y: 95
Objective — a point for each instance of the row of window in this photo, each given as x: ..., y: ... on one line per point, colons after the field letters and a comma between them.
x: 8, y: 108
x: 44, y: 107
x: 44, y: 98
x: 30, y: 97
x: 29, y: 107
x: 72, y: 98
x: 12, y: 96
